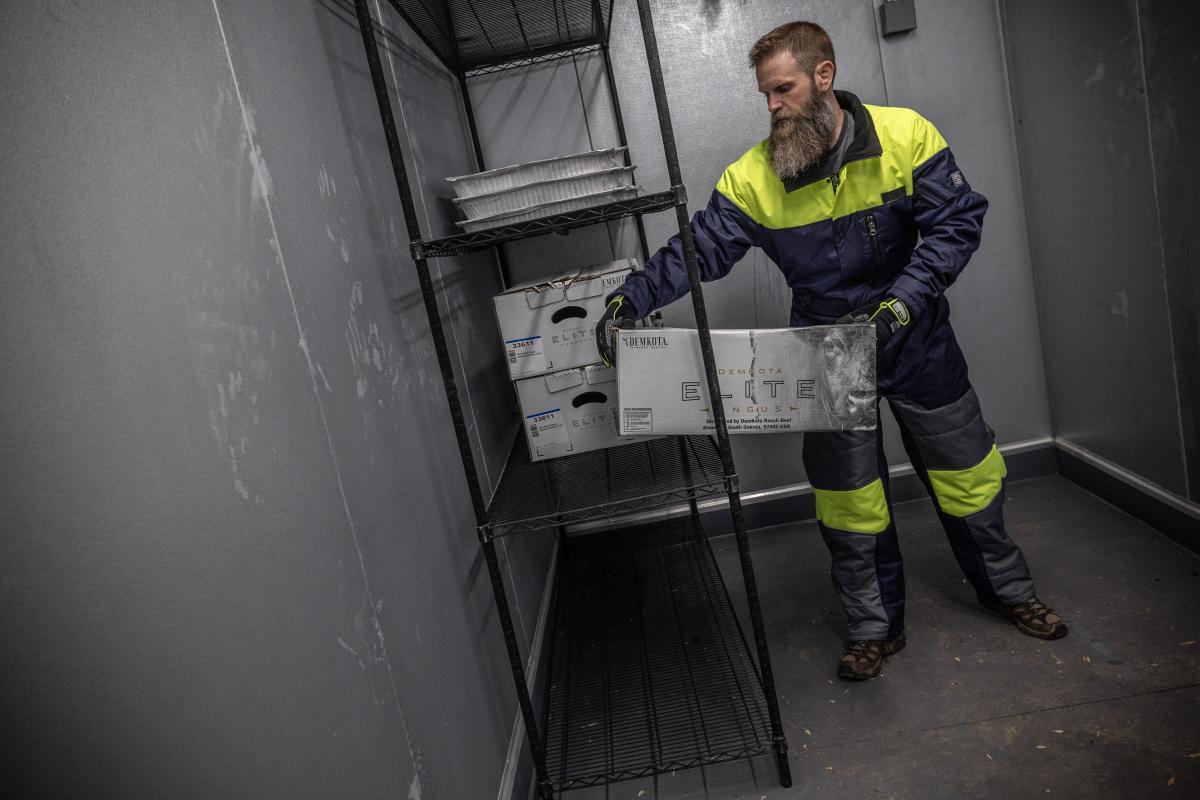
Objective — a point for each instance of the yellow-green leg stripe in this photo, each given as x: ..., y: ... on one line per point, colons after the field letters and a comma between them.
x: 963, y: 492
x: 862, y: 510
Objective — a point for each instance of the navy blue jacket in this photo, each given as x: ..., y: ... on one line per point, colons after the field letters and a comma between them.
x: 895, y: 218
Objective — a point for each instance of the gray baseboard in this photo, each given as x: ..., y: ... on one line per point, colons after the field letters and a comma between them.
x: 1033, y: 459
x: 762, y: 509
x: 1176, y: 516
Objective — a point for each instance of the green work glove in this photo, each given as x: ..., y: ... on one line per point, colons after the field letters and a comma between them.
x: 889, y: 316
x: 618, y: 314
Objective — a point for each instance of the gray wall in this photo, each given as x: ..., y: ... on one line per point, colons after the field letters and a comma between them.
x: 1105, y: 98
x: 951, y: 69
x: 1172, y: 63
x: 237, y: 557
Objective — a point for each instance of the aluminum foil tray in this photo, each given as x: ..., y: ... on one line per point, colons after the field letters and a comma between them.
x: 548, y: 209
x: 550, y: 169
x: 511, y: 200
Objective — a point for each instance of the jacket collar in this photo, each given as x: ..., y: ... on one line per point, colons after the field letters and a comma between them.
x: 864, y: 143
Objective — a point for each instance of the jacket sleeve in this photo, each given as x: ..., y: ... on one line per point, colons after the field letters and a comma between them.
x: 949, y: 217
x: 722, y: 233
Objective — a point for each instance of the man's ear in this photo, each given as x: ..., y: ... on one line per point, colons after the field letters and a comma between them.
x: 823, y: 75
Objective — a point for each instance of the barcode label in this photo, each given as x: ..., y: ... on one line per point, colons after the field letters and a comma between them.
x: 526, y: 356
x: 637, y: 420
x: 547, y: 431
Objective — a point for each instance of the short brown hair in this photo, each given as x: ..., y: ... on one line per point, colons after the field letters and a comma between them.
x: 806, y: 41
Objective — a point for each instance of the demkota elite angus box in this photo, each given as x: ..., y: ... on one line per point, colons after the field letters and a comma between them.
x: 772, y: 381
x: 572, y: 411
x: 551, y: 325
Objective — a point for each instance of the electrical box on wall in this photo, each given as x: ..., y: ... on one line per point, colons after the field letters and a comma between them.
x: 898, y: 16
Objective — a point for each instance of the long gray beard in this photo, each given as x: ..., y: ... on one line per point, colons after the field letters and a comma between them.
x: 799, y: 140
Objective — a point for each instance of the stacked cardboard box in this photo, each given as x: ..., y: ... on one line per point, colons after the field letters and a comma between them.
x: 772, y: 381
x: 568, y: 402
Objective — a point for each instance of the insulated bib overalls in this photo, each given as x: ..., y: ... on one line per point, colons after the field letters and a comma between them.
x: 891, y: 215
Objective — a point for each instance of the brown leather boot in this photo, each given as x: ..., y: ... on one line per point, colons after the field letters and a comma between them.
x: 1033, y: 618
x: 1037, y: 619
x: 864, y: 659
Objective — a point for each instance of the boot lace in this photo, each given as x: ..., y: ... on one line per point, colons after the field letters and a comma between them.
x: 858, y: 648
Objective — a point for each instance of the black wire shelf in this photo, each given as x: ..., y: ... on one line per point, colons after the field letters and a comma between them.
x: 650, y: 670
x: 529, y: 61
x: 603, y: 483
x: 463, y: 243
x: 468, y: 34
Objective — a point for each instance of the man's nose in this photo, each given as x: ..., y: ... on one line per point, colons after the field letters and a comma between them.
x: 773, y: 104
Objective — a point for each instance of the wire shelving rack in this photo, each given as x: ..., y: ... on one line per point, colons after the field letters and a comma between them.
x: 650, y: 669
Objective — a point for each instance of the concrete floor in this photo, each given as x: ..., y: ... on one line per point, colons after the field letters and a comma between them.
x: 973, y: 708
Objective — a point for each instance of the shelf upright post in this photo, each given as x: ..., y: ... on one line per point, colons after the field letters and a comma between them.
x: 366, y: 27
x: 460, y: 73
x: 598, y: 21
x: 731, y: 479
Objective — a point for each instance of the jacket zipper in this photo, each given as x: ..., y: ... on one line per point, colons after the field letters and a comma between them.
x: 873, y: 233
x: 834, y: 181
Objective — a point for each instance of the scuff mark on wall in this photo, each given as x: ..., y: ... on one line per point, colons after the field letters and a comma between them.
x: 325, y: 183
x: 380, y: 376
x: 352, y: 652
x: 324, y: 380
x: 230, y: 351
x: 382, y: 677
x: 261, y: 186
x: 327, y: 186
x: 367, y: 647
x: 238, y: 485
x: 1121, y: 307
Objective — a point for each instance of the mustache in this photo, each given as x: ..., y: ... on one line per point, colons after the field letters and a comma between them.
x: 797, y: 114
x: 783, y: 115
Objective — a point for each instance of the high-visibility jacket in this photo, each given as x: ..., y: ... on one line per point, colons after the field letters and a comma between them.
x: 847, y: 239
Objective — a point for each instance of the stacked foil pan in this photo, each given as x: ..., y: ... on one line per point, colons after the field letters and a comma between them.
x: 524, y: 192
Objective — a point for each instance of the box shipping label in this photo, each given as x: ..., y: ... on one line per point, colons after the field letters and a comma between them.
x: 772, y: 381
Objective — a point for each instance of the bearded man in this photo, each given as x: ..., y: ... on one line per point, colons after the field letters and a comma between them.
x: 837, y: 198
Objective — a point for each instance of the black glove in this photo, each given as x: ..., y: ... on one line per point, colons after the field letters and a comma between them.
x: 889, y: 316
x: 618, y: 314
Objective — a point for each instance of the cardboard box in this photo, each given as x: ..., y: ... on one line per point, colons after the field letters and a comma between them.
x: 572, y: 411
x: 551, y: 325
x: 773, y: 381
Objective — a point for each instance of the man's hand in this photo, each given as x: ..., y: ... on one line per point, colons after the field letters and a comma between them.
x: 889, y: 316
x: 618, y: 314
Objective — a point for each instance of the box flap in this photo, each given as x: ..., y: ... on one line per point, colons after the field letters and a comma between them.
x: 600, y: 374
x: 566, y: 379
x: 599, y: 280
x: 543, y: 295
x: 580, y: 273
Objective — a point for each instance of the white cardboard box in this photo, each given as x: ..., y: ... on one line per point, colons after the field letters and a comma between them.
x: 572, y: 411
x: 551, y: 325
x: 772, y: 381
